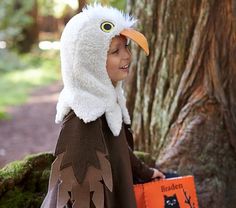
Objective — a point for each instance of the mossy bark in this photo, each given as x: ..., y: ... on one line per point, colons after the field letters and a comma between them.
x: 182, y: 98
x: 24, y: 183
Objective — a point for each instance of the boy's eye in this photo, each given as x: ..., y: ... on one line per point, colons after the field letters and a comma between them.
x: 115, y: 51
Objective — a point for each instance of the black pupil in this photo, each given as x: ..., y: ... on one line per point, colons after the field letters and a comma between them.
x: 107, y: 26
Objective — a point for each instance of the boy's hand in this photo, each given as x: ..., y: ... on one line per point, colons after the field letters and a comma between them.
x: 157, y: 174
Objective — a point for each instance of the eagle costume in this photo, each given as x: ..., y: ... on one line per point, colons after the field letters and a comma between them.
x: 94, y: 165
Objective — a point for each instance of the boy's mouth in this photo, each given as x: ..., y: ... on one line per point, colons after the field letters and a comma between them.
x: 125, y: 67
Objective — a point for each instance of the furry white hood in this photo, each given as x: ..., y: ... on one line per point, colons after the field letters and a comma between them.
x: 88, y: 90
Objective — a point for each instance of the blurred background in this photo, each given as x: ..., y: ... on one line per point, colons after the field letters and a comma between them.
x: 30, y: 72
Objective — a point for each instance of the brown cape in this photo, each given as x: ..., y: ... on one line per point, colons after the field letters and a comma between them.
x: 93, y: 168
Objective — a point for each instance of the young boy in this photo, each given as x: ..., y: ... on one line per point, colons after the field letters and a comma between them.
x: 95, y: 165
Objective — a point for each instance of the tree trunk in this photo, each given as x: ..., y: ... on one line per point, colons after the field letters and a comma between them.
x: 30, y: 33
x: 182, y: 98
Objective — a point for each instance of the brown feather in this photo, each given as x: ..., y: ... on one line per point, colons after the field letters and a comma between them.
x: 106, y: 170
x: 67, y: 182
x: 81, y: 195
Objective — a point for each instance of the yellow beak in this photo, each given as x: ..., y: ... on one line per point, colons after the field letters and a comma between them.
x: 137, y: 37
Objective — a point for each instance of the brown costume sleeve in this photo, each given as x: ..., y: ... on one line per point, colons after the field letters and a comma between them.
x: 139, y: 168
x: 81, y: 168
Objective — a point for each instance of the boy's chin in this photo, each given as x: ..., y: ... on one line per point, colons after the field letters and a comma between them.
x: 121, y: 78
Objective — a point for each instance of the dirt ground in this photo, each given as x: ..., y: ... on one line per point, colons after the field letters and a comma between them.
x: 32, y: 128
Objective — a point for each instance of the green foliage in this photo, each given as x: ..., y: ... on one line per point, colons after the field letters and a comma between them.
x: 120, y: 4
x: 10, y: 60
x: 46, y: 7
x: 56, y: 8
x: 23, y: 73
x: 13, y: 18
x: 4, y: 115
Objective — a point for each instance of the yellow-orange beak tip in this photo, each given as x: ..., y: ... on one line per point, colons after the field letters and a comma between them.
x: 137, y: 37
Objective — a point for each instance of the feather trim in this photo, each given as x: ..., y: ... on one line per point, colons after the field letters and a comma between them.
x: 64, y: 182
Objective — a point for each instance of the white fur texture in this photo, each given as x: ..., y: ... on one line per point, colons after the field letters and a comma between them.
x: 88, y: 89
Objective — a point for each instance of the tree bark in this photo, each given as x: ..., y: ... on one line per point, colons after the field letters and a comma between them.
x: 30, y: 33
x: 182, y: 98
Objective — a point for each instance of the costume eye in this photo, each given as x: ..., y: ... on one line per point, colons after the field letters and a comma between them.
x: 107, y: 26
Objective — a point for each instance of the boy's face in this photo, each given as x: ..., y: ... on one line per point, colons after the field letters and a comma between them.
x: 118, y: 59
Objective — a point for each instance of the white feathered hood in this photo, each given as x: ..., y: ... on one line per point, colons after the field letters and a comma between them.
x: 88, y: 90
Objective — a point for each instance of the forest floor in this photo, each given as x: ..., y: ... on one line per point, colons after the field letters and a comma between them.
x: 31, y: 127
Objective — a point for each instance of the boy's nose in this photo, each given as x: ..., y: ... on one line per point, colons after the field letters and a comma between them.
x: 127, y: 54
